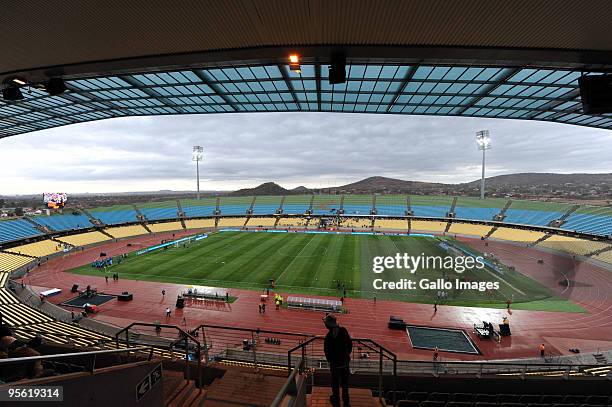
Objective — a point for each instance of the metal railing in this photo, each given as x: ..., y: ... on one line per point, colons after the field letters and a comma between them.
x: 259, y: 347
x: 157, y: 335
x: 293, y: 392
x: 90, y: 357
x: 383, y: 363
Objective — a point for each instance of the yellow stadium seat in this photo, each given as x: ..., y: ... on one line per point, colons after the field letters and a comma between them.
x: 126, y: 231
x: 261, y: 222
x: 10, y: 262
x: 604, y: 256
x: 391, y: 224
x: 21, y: 314
x: 165, y: 227
x: 200, y: 223
x: 292, y: 223
x: 231, y: 222
x: 427, y: 226
x: 517, y: 235
x: 572, y: 245
x: 38, y: 249
x: 356, y: 223
x: 84, y: 239
x: 469, y: 229
x: 5, y: 296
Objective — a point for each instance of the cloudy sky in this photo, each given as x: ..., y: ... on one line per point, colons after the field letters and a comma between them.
x: 311, y: 149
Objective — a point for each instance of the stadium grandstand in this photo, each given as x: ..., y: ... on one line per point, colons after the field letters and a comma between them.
x: 162, y: 303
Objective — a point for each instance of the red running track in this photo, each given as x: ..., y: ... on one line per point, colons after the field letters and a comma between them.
x: 591, y: 288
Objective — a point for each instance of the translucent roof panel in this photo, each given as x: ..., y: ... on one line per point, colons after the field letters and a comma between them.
x: 444, y: 90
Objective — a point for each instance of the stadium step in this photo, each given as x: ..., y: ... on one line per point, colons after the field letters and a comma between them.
x: 238, y: 387
x: 359, y: 397
x: 179, y: 392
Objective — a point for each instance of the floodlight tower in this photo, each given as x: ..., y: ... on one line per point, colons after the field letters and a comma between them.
x: 483, y: 139
x: 197, y: 155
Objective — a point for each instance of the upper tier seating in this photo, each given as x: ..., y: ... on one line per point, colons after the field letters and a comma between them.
x: 296, y: 204
x: 235, y: 205
x: 194, y: 208
x: 430, y: 206
x: 534, y: 212
x: 126, y: 231
x: 38, y: 249
x: 590, y: 219
x: 159, y: 210
x: 17, y: 229
x: 266, y: 205
x: 115, y: 214
x: 528, y: 217
x: 478, y: 209
x: 165, y: 227
x: 199, y: 223
x: 64, y: 222
x: 83, y: 239
x: 326, y: 204
x: 357, y: 205
x: 391, y: 205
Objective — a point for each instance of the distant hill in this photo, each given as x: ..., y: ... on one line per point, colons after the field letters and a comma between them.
x: 541, y: 179
x: 301, y: 190
x: 268, y: 188
x: 384, y: 184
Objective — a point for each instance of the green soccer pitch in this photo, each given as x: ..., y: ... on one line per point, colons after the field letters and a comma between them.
x: 316, y: 264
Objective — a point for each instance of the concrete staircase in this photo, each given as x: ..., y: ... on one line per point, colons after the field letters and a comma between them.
x: 179, y: 392
x: 359, y: 398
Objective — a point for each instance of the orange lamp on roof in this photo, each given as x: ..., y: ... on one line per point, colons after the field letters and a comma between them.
x: 294, y: 63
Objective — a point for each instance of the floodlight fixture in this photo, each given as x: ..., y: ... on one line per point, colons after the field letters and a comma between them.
x: 483, y: 140
x: 197, y: 155
x: 294, y: 63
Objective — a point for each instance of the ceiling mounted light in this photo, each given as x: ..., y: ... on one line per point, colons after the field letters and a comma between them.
x: 55, y: 86
x: 294, y: 63
x: 11, y: 94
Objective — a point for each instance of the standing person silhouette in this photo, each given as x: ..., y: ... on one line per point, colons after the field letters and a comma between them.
x: 338, y: 346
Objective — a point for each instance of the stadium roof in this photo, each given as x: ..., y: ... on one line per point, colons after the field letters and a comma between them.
x: 482, y: 58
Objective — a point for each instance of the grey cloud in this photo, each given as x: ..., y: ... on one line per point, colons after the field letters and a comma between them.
x: 295, y: 148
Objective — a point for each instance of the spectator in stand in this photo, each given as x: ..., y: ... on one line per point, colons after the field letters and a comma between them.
x: 338, y: 347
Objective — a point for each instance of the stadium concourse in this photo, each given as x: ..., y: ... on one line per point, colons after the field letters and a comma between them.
x: 589, y: 331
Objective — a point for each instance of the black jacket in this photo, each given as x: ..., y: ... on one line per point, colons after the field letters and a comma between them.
x: 338, y: 349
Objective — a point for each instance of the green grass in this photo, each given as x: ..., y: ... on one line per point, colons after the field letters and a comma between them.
x: 314, y: 263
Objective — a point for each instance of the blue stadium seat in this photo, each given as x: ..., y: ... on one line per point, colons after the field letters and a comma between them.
x: 354, y: 209
x: 64, y: 222
x: 264, y: 209
x: 391, y: 210
x: 115, y: 217
x: 160, y: 213
x: 595, y: 224
x: 472, y: 213
x: 528, y: 217
x: 430, y: 211
x: 235, y: 209
x: 295, y: 208
x: 17, y: 229
x: 197, y: 211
